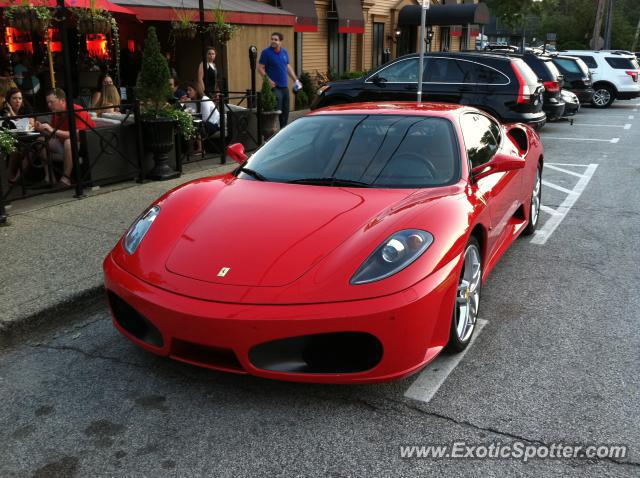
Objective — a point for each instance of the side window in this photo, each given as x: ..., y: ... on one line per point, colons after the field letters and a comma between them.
x: 445, y: 70
x: 589, y: 60
x: 489, y: 76
x: 479, y: 137
x: 404, y: 71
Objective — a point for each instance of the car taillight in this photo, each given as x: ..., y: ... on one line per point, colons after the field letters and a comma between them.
x: 524, y: 91
x: 552, y: 86
x: 633, y: 74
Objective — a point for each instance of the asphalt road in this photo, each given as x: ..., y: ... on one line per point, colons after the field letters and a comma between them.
x: 558, y: 361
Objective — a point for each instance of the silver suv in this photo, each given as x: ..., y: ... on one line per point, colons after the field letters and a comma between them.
x: 615, y: 75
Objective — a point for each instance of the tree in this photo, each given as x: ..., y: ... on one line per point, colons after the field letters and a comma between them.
x: 153, y: 82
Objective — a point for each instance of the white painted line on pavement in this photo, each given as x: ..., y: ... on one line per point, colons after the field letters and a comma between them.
x: 627, y: 126
x: 557, y: 188
x: 567, y: 164
x: 433, y: 375
x: 613, y: 140
x: 541, y: 236
x: 566, y: 171
x: 549, y: 210
x: 599, y: 125
x: 631, y: 117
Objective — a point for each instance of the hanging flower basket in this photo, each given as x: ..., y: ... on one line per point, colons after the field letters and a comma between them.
x: 183, y: 31
x: 28, y: 18
x: 93, y: 24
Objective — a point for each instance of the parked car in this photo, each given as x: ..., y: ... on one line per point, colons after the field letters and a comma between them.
x: 502, y: 86
x: 577, y: 77
x: 362, y: 236
x: 572, y: 103
x: 615, y: 75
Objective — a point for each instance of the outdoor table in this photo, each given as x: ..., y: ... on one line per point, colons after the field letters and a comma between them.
x: 29, y: 142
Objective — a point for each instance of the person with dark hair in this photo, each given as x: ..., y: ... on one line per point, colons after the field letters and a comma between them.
x: 15, y: 105
x: 178, y: 93
x: 207, y: 78
x: 58, y: 131
x: 274, y: 64
x: 104, y: 81
x: 206, y: 108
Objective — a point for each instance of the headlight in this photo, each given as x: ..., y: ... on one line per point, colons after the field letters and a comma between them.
x: 139, y: 229
x: 393, y: 255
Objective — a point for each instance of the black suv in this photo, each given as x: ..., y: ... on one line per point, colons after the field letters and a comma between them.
x: 503, y: 86
x: 577, y: 77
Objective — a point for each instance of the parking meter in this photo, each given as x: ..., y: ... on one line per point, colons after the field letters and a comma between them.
x: 253, y: 56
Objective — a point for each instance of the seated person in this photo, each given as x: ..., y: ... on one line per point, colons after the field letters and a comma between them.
x: 15, y: 105
x: 205, y: 107
x: 178, y: 93
x: 58, y: 130
x: 104, y: 80
x: 109, y: 97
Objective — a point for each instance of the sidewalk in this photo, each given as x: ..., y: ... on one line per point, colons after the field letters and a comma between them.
x: 52, y: 250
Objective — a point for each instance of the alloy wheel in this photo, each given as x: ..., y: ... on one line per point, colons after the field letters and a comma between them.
x: 535, y: 199
x: 468, y: 294
x: 601, y: 97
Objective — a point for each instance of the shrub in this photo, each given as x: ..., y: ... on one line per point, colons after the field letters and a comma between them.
x: 269, y: 101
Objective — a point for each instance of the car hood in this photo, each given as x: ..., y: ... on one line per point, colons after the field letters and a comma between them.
x: 265, y: 234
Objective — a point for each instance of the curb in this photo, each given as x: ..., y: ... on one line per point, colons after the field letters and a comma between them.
x: 23, y: 328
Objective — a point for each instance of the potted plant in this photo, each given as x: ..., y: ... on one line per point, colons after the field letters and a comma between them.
x: 182, y: 27
x: 27, y: 16
x: 158, y: 117
x: 270, y: 115
x: 92, y: 20
x: 7, y: 146
x: 221, y: 30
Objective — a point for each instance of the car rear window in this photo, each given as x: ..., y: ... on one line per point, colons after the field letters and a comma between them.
x: 527, y: 73
x: 589, y: 60
x: 568, y: 65
x: 621, y: 63
x: 555, y: 73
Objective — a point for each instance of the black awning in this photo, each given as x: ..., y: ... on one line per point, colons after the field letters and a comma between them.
x: 350, y: 16
x: 450, y: 14
x: 305, y: 12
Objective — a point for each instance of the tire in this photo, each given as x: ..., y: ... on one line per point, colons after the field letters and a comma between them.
x: 467, y: 301
x: 603, y: 96
x: 534, y: 204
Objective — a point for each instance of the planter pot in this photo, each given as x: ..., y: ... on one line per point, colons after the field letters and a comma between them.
x: 158, y: 137
x: 270, y: 124
x: 91, y: 25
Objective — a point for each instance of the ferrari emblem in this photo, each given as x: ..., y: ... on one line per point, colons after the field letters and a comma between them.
x: 223, y: 271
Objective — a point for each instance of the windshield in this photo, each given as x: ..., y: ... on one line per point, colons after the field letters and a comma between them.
x: 568, y: 65
x: 383, y: 151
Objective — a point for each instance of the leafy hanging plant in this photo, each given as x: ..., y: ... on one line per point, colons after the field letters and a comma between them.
x: 7, y: 142
x: 27, y: 16
x: 93, y: 20
x: 220, y: 29
x: 115, y: 35
x: 182, y: 26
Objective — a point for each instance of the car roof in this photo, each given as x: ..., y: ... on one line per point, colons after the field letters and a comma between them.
x: 458, y: 54
x: 445, y: 110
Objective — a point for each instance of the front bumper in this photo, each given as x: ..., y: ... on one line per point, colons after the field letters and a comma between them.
x: 554, y: 109
x: 411, y: 328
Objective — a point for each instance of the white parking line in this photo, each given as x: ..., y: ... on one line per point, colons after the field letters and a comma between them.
x: 557, y: 188
x: 567, y: 164
x: 549, y: 210
x: 543, y: 234
x: 562, y: 170
x: 612, y: 140
x: 434, y: 374
x: 627, y: 126
x: 601, y: 125
x: 631, y: 116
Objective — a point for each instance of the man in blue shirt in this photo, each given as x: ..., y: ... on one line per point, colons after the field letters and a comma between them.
x: 274, y: 63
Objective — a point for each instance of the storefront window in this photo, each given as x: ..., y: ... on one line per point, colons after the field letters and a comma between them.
x: 445, y: 39
x: 378, y: 44
x: 339, y: 49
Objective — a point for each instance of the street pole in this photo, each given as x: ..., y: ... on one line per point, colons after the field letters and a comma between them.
x: 71, y: 114
x: 609, y: 26
x: 635, y: 38
x: 203, y: 41
x: 423, y: 21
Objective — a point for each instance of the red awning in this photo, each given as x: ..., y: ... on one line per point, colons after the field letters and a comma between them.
x: 305, y: 12
x: 102, y: 4
x: 350, y: 16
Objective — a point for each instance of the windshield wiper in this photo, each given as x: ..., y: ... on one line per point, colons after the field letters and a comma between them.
x: 253, y: 173
x: 330, y: 182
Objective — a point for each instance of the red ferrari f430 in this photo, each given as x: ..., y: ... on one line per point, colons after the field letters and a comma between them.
x: 351, y: 248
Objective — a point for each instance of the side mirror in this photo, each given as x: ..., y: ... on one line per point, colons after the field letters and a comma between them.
x: 378, y: 81
x: 498, y: 164
x: 236, y: 152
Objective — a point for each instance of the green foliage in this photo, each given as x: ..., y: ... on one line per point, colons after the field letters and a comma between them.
x: 350, y: 75
x: 183, y: 119
x: 308, y: 87
x: 302, y: 100
x: 7, y: 142
x: 269, y: 101
x: 153, y: 82
x: 221, y: 30
x: 29, y: 15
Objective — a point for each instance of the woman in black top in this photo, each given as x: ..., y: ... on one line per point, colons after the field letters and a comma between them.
x: 15, y: 105
x: 207, y: 78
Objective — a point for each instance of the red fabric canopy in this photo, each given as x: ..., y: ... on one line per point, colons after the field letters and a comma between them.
x: 102, y: 4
